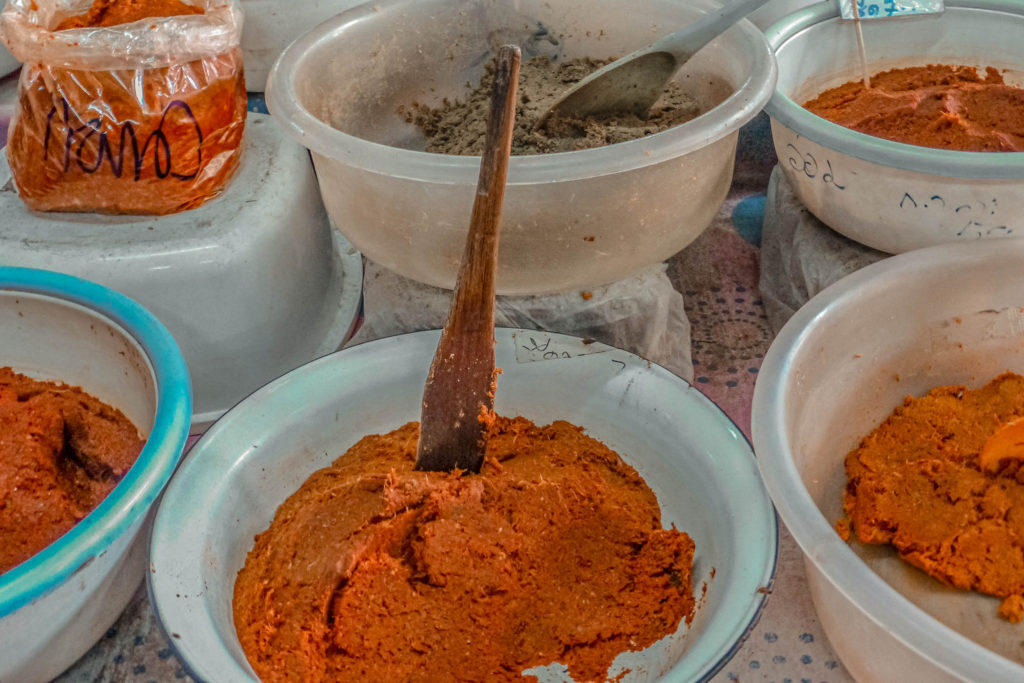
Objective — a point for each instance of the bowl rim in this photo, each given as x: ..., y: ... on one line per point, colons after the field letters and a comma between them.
x: 303, y: 126
x: 133, y: 496
x: 817, y: 538
x: 746, y: 623
x: 928, y: 160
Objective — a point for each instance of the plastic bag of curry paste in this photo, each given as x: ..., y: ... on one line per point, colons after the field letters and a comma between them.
x: 125, y: 106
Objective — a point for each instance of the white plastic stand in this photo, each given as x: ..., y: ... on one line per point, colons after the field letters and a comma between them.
x: 252, y: 284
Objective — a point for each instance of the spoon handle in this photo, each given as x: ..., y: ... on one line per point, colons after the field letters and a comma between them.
x: 461, y: 379
x: 682, y: 44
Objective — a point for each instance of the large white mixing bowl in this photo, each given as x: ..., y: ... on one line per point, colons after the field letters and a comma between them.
x: 950, y: 314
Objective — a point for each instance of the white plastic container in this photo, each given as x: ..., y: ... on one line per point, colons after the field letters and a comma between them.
x: 56, y: 604
x: 888, y: 195
x: 270, y: 25
x: 251, y: 284
x: 569, y: 220
x: 950, y: 314
x: 696, y: 461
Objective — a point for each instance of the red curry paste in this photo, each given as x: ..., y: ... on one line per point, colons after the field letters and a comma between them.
x: 114, y: 12
x: 61, y: 452
x: 915, y: 483
x: 373, y: 571
x: 942, y: 106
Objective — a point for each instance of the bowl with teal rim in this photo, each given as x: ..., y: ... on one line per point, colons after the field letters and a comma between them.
x: 889, y: 195
x: 55, y: 327
x: 696, y: 461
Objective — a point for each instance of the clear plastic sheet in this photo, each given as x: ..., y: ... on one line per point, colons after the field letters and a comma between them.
x: 642, y: 314
x: 800, y: 255
x: 140, y: 118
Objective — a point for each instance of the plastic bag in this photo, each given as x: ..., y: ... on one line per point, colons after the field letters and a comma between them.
x: 140, y: 118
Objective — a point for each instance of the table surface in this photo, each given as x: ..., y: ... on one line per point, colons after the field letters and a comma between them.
x: 718, y: 276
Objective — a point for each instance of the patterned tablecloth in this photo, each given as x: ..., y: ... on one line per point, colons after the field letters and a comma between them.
x: 718, y: 277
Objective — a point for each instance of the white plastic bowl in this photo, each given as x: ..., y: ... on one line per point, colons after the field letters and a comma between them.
x: 269, y: 26
x: 55, y: 605
x: 691, y: 455
x: 888, y: 195
x: 950, y: 314
x: 569, y: 220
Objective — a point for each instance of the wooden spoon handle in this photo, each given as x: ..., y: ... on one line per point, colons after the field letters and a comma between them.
x: 461, y: 379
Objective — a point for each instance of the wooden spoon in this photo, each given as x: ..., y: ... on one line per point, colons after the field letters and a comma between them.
x: 461, y: 380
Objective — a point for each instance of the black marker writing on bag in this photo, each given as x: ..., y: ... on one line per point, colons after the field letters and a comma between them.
x: 157, y: 142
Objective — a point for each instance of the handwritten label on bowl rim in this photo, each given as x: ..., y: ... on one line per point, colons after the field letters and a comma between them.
x: 537, y: 346
x: 883, y: 9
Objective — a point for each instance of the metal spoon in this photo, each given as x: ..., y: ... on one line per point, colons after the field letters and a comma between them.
x: 633, y: 83
x: 461, y: 379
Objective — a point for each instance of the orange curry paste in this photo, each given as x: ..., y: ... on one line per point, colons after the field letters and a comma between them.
x: 133, y: 140
x: 373, y: 571
x: 114, y: 12
x: 915, y: 483
x: 948, y: 107
x: 61, y: 452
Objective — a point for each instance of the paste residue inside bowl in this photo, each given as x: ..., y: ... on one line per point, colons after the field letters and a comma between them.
x: 555, y: 552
